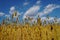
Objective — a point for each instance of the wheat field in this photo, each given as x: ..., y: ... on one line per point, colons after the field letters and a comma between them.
x: 27, y: 32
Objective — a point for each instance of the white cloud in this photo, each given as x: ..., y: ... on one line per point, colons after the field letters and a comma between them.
x: 49, y: 8
x: 1, y: 13
x: 12, y: 9
x: 26, y: 3
x: 32, y: 11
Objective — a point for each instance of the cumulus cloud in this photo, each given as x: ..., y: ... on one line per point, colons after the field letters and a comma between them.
x: 1, y: 13
x: 49, y: 8
x: 12, y: 9
x: 32, y: 11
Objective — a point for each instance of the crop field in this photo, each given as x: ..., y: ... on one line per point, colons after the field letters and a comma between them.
x: 27, y: 32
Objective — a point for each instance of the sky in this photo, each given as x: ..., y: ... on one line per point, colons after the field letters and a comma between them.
x: 31, y: 8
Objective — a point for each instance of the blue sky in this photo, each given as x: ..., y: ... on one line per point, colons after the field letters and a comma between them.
x: 30, y: 8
